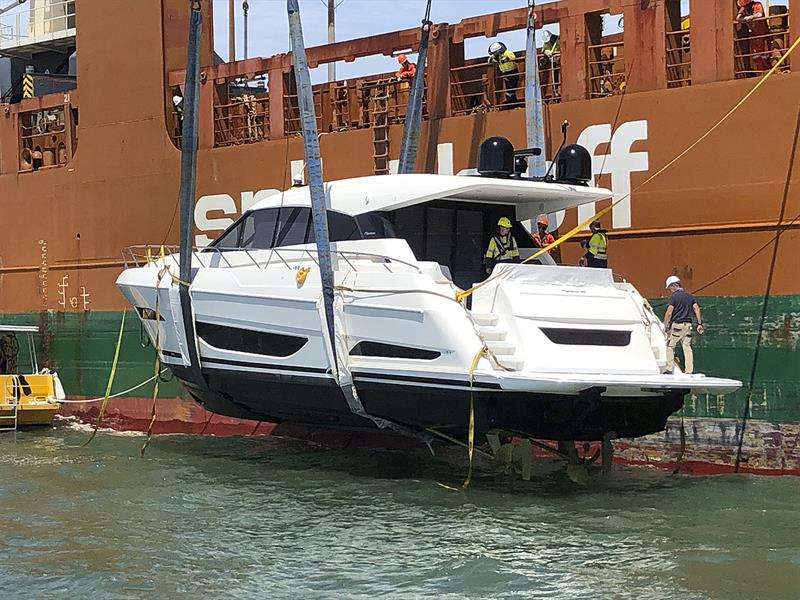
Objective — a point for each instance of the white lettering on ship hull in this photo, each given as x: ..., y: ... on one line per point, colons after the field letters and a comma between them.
x: 620, y: 162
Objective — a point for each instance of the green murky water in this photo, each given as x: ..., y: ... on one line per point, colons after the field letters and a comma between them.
x: 253, y: 518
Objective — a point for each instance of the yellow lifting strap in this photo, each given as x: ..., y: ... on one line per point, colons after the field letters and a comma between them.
x: 156, y: 364
x: 110, y: 383
x: 572, y: 232
x: 471, y: 430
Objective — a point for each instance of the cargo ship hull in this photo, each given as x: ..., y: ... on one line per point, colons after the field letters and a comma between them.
x: 715, y: 218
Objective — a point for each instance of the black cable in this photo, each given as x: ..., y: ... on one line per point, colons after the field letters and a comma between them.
x: 619, y: 111
x: 781, y: 228
x: 767, y: 293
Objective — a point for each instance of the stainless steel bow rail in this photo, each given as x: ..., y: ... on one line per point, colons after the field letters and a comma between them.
x: 225, y: 258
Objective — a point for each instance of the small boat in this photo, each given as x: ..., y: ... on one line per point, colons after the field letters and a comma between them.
x: 30, y: 397
x: 568, y: 352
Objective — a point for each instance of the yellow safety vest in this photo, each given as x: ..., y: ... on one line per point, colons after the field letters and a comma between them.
x: 502, y: 249
x: 508, y: 62
x: 598, y: 246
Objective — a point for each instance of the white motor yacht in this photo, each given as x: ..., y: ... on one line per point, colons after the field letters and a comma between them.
x: 546, y: 351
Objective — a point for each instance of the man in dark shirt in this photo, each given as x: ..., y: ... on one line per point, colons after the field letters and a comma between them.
x: 678, y: 322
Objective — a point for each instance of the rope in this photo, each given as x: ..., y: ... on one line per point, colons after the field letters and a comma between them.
x: 471, y: 430
x: 572, y: 232
x: 117, y: 395
x: 767, y: 293
x: 157, y: 363
x: 111, y: 375
x: 678, y: 460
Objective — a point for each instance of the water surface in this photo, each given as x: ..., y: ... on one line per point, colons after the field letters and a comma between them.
x: 257, y: 518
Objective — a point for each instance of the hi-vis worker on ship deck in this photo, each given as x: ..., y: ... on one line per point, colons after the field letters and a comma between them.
x: 507, y: 64
x: 543, y: 238
x: 596, y: 248
x: 502, y: 247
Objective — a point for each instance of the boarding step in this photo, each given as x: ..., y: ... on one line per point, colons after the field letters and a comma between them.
x: 501, y: 348
x: 512, y: 362
x: 491, y: 333
x: 487, y: 319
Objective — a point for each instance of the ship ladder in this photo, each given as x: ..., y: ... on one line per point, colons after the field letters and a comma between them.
x: 340, y: 101
x: 12, y: 401
x: 380, y: 129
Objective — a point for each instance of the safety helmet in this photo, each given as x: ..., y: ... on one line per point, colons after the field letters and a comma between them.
x: 542, y: 220
x: 497, y: 48
x: 672, y: 279
x: 402, y: 58
x: 546, y: 36
x: 504, y: 222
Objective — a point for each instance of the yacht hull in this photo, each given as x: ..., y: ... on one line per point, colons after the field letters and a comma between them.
x: 420, y: 404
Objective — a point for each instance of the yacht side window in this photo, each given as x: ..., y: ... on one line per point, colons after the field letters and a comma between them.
x: 258, y: 229
x: 289, y: 226
x: 230, y: 238
x: 375, y: 225
x: 294, y: 224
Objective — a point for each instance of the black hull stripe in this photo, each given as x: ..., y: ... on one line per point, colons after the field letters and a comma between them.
x: 240, y: 363
x: 408, y: 379
x: 427, y: 380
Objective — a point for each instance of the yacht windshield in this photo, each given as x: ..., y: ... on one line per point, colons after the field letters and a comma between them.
x: 292, y: 225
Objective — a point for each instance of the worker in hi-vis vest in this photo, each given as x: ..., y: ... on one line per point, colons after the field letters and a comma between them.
x: 597, y: 247
x: 506, y: 62
x: 502, y: 247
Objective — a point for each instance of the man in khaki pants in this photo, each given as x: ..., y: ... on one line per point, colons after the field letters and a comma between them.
x: 678, y: 322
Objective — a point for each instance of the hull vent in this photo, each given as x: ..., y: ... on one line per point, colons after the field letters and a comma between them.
x: 587, y: 337
x: 252, y: 342
x: 392, y: 351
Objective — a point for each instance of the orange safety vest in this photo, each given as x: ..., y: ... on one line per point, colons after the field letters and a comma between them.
x: 548, y: 239
x: 407, y: 70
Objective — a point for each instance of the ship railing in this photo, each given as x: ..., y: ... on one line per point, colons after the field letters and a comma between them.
x: 679, y: 58
x: 343, y: 105
x: 28, y: 24
x: 606, y: 64
x: 760, y: 43
x: 397, y: 95
x: 212, y: 257
x: 479, y: 87
x: 292, y: 120
x: 243, y: 120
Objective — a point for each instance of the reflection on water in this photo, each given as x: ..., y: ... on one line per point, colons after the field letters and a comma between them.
x: 253, y: 518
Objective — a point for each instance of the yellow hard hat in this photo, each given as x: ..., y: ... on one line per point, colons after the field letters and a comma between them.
x: 504, y: 222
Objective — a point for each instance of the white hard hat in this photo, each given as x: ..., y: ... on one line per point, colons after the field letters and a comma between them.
x: 546, y: 35
x: 672, y: 279
x: 497, y: 48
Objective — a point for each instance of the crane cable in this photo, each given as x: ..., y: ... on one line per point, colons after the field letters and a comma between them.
x: 581, y: 226
x: 767, y: 293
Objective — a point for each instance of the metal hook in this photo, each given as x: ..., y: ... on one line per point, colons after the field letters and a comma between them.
x: 196, y: 5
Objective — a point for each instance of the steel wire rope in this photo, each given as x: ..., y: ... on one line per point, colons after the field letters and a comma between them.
x: 767, y: 293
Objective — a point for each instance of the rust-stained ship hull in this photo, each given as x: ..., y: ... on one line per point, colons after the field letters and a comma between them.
x: 711, y: 218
